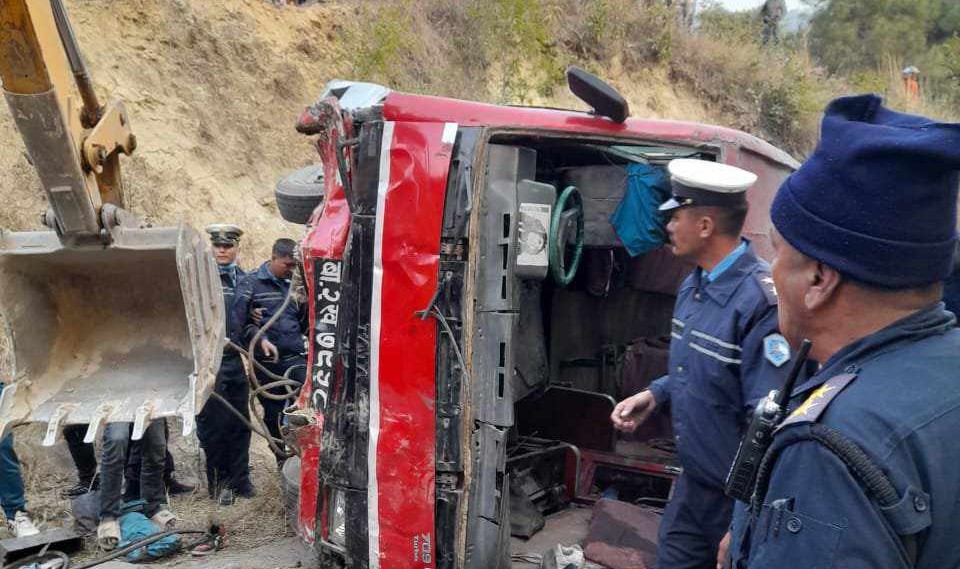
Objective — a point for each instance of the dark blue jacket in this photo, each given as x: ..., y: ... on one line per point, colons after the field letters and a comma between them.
x: 903, y: 410
x: 718, y: 369
x: 260, y: 289
x: 230, y: 277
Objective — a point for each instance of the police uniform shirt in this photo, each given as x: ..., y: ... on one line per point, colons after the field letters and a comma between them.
x: 230, y: 276
x: 260, y: 289
x: 725, y: 355
x: 902, y: 408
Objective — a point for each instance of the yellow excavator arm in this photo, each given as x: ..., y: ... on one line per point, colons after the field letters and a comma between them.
x: 109, y: 319
x: 72, y: 140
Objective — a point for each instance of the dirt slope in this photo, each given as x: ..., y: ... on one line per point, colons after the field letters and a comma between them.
x: 213, y: 89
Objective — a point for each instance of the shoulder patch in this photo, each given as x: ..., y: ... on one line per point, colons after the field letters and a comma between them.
x: 776, y: 350
x: 766, y: 285
x: 816, y: 403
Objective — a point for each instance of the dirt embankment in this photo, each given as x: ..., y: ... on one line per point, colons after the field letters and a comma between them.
x: 212, y: 89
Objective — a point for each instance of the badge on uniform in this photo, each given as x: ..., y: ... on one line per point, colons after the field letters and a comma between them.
x: 776, y: 349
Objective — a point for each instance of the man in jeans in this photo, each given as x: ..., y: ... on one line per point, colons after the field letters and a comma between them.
x: 259, y: 296
x: 85, y: 459
x: 153, y: 447
x: 11, y: 490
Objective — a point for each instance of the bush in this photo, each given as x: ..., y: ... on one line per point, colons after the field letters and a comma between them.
x: 518, y: 37
x: 515, y: 51
x: 949, y: 56
x: 382, y: 43
x: 731, y: 28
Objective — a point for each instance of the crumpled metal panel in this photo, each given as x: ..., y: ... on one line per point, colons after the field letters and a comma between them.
x: 402, y: 459
x: 129, y: 332
x: 323, y: 248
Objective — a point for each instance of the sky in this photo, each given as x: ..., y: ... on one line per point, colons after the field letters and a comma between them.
x: 748, y: 4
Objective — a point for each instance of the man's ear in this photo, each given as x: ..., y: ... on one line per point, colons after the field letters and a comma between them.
x: 822, y: 284
x: 706, y: 226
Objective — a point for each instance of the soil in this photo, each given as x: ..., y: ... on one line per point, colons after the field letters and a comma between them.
x: 212, y: 90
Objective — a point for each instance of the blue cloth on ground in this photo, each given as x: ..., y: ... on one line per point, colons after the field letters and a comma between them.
x: 639, y: 223
x: 134, y: 526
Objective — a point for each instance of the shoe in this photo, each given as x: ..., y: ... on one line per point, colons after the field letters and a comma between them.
x: 213, y: 542
x: 21, y: 525
x: 204, y: 549
x: 75, y: 491
x: 108, y: 534
x: 245, y: 490
x: 175, y: 487
x: 82, y: 488
x: 226, y: 497
x: 164, y: 519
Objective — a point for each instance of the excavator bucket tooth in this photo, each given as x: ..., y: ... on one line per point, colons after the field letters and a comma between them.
x: 128, y: 332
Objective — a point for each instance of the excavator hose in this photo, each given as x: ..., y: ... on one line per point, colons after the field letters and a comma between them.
x: 26, y: 562
x: 252, y: 365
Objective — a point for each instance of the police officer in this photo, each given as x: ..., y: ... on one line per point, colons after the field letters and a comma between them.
x: 771, y: 13
x: 281, y: 348
x: 864, y: 471
x: 951, y: 287
x: 224, y: 437
x: 725, y: 355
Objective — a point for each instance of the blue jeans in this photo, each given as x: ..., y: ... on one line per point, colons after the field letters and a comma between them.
x: 11, y: 479
x: 116, y: 443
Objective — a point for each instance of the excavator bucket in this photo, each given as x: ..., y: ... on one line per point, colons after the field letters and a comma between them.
x: 132, y: 331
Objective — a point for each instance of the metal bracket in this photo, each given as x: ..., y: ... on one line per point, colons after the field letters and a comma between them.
x: 111, y: 133
x: 342, y: 145
x: 112, y: 217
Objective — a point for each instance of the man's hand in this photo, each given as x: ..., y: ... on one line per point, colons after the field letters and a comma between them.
x: 633, y: 411
x: 722, y: 550
x: 269, y: 350
x: 256, y: 316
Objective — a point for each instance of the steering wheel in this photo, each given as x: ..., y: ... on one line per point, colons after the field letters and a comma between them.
x: 567, y: 215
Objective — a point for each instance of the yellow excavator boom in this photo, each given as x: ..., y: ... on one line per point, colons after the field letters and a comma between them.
x: 109, y: 319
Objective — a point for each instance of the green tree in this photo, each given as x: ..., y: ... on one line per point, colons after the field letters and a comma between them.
x: 851, y: 35
x: 948, y: 22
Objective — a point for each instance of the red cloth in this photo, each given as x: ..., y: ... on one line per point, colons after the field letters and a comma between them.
x: 622, y: 536
x: 644, y: 361
x: 658, y: 271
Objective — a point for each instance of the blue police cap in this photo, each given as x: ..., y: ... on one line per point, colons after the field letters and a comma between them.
x: 877, y: 199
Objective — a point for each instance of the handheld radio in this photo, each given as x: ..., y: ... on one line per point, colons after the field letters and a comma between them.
x: 755, y: 442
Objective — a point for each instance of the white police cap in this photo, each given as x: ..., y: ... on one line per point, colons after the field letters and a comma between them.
x: 224, y: 233
x: 706, y: 183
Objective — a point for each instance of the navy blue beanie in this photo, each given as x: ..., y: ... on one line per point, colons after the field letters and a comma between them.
x: 877, y: 199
